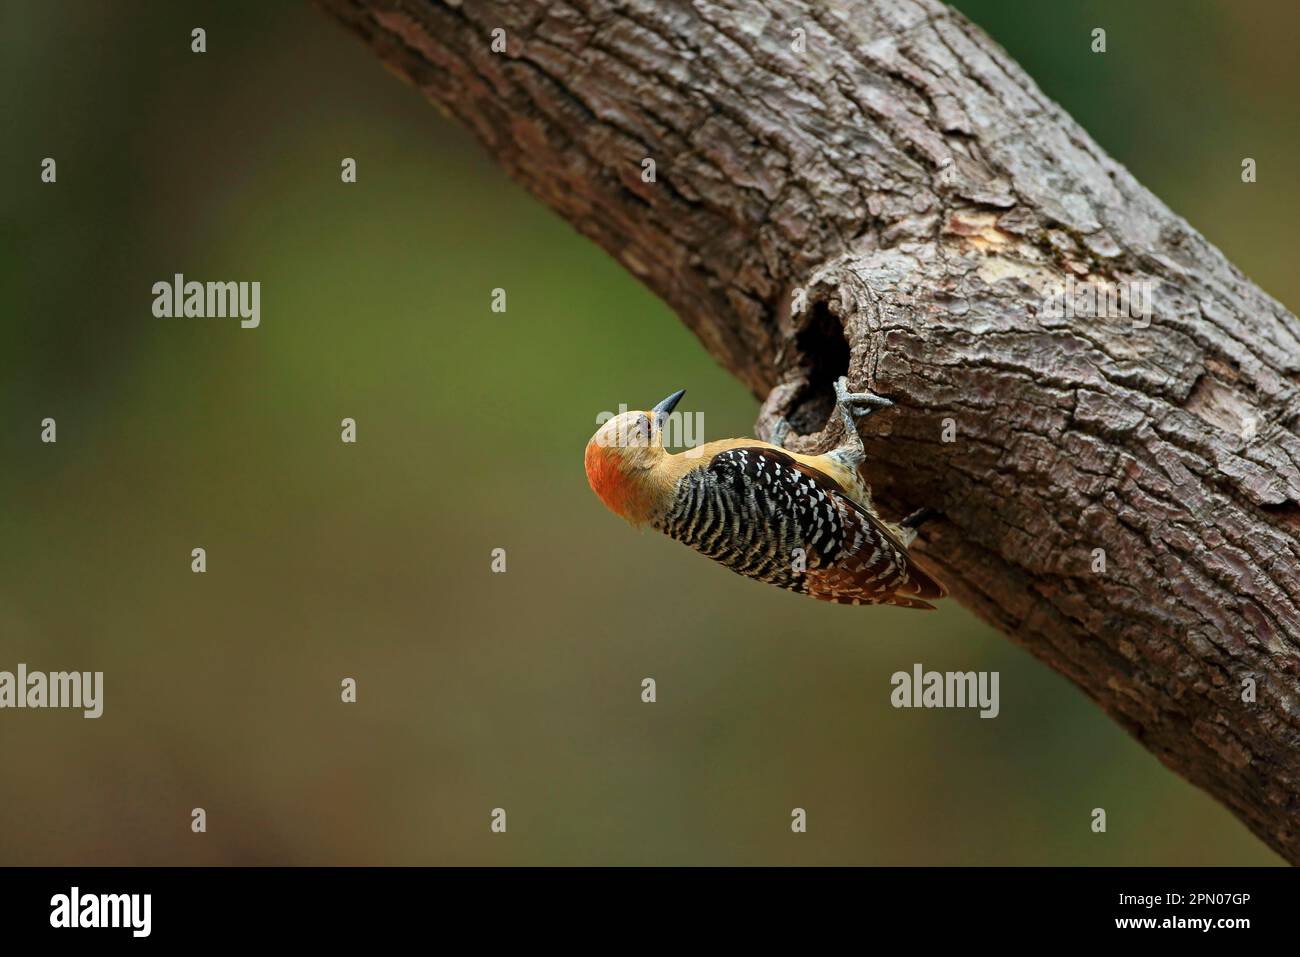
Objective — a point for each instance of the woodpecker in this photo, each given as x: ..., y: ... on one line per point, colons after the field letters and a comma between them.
x: 802, y: 522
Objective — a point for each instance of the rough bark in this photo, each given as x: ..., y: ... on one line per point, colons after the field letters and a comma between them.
x: 895, y: 203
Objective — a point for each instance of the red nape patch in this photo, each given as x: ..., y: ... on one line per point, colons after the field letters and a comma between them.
x: 608, y: 480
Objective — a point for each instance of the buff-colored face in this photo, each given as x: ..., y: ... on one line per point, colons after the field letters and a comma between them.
x: 621, y: 456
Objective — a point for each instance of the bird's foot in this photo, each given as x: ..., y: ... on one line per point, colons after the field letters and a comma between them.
x: 848, y: 402
x: 852, y: 407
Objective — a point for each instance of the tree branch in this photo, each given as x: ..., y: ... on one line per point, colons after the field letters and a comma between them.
x: 898, y: 202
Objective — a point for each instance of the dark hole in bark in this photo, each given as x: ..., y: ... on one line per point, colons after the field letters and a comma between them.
x: 825, y: 352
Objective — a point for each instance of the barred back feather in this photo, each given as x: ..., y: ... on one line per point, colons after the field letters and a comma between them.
x: 779, y: 519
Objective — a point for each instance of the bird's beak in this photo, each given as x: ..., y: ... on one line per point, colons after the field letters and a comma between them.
x: 665, y: 408
x: 659, y: 414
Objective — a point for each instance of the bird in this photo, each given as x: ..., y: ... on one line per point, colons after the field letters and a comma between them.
x: 805, y: 523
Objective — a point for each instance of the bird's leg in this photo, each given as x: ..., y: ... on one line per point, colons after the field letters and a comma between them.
x: 851, y: 405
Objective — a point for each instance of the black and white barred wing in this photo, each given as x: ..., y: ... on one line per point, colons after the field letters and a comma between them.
x: 768, y: 516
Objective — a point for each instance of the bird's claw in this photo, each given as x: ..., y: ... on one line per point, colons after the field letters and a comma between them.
x: 850, y: 399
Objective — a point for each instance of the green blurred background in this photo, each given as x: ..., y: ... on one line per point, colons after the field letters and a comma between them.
x: 326, y: 560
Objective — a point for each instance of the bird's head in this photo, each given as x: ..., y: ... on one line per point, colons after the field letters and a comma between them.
x: 622, y: 457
